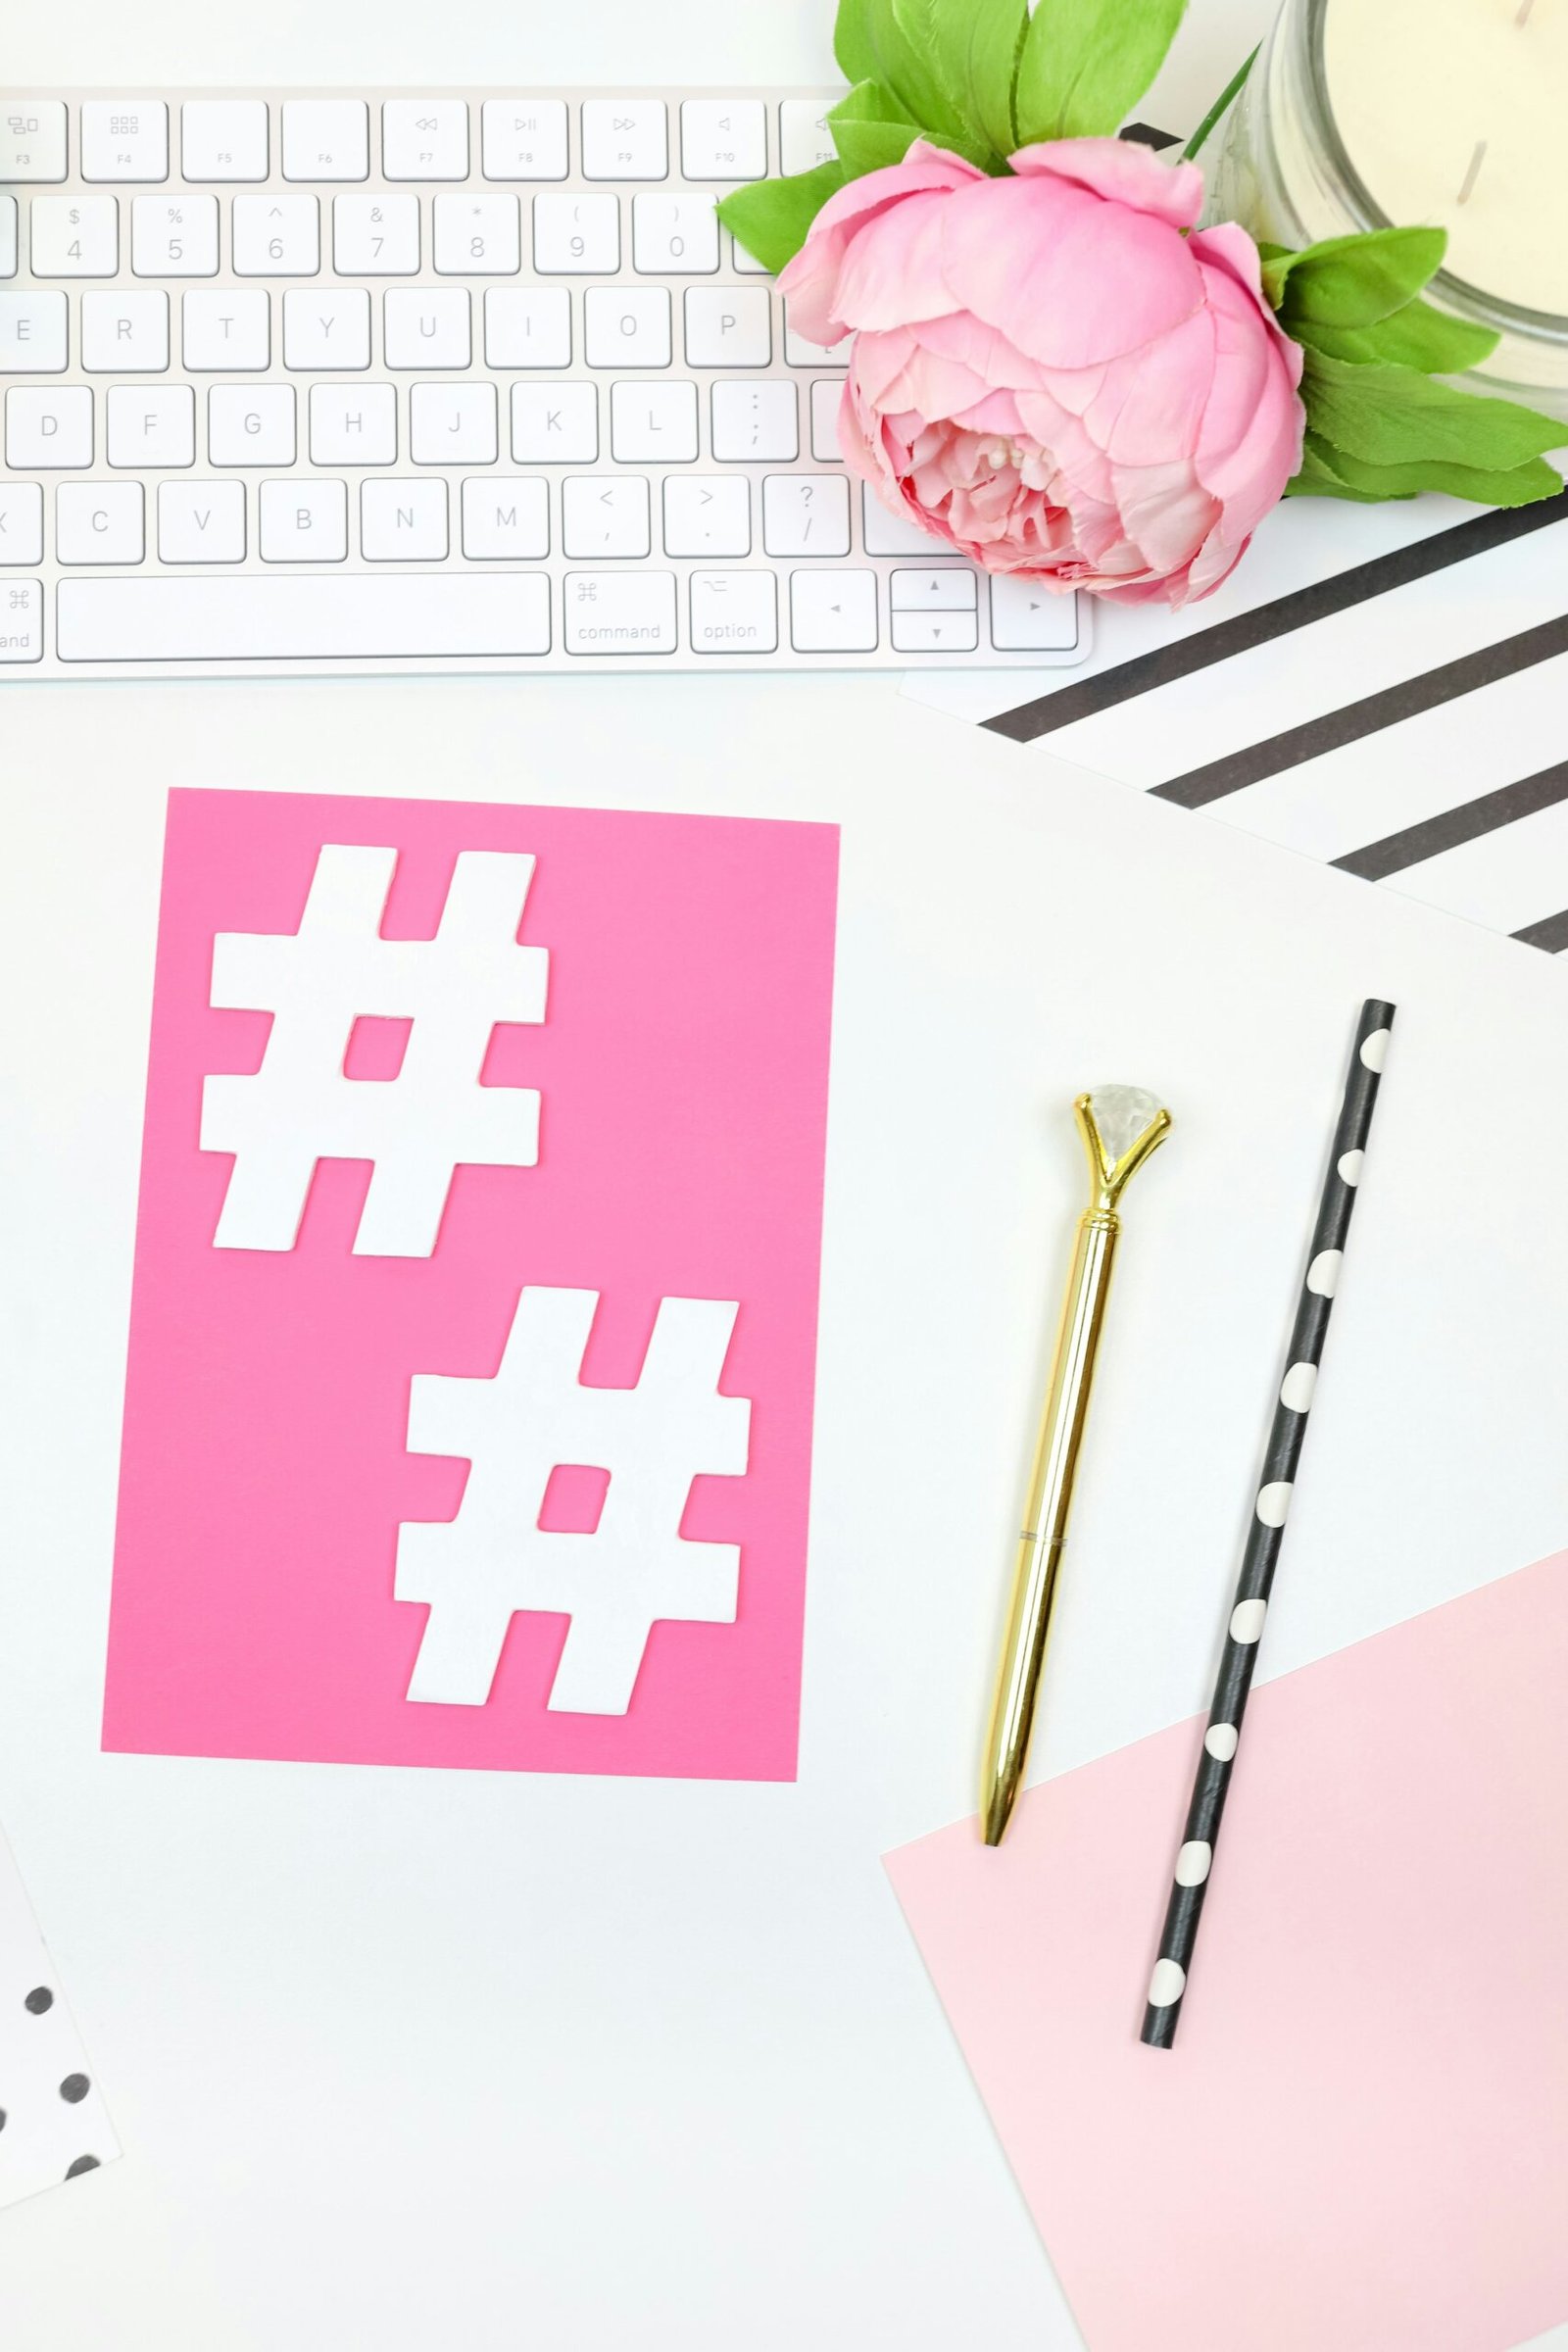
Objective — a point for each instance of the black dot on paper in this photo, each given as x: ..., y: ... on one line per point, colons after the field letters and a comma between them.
x: 74, y: 2088
x: 2, y: 2118
x: 83, y: 2164
x: 39, y: 2000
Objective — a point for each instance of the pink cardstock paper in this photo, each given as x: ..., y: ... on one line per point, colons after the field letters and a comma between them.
x: 1359, y: 2142
x: 682, y: 1077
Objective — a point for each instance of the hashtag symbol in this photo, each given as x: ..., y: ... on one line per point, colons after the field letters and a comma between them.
x: 534, y: 1417
x: 415, y: 1128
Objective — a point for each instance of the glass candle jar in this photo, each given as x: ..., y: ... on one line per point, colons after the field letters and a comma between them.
x: 1362, y: 113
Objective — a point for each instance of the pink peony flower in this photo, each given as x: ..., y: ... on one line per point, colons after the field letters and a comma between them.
x: 1048, y: 374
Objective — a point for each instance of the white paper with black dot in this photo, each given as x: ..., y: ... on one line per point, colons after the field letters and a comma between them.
x: 1271, y: 1508
x: 53, y: 2124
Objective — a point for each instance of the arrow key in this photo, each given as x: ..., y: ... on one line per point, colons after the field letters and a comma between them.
x: 948, y: 590
x: 1027, y: 617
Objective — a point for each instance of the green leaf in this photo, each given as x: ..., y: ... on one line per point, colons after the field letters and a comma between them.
x: 870, y: 128
x: 908, y: 40
x: 1416, y: 336
x: 851, y: 42
x: 1391, y: 415
x: 1320, y: 478
x: 771, y: 217
x: 1517, y: 486
x: 1086, y: 64
x: 1356, y: 280
x: 978, y: 43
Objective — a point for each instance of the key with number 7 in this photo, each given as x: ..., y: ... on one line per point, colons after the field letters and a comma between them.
x: 375, y: 236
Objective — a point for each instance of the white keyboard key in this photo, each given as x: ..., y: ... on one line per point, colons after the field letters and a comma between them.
x: 734, y: 612
x: 800, y: 352
x: 724, y: 138
x: 151, y: 425
x: 429, y: 326
x: 527, y: 326
x: 250, y: 425
x: 20, y: 530
x: 827, y: 399
x: 33, y: 334
x: 375, y: 236
x: 890, y: 534
x: 729, y: 327
x: 555, y: 425
x: 173, y: 236
x: 295, y: 618
x: 805, y: 515
x: 625, y: 138
x: 707, y: 514
x: 674, y: 237
x: 424, y: 138
x: 304, y: 521
x: 755, y: 421
x: 627, y: 327
x: 8, y: 236
x: 524, y: 139
x: 805, y: 138
x: 226, y: 328
x: 126, y: 332
x: 22, y: 620
x: 74, y: 237
x: 935, y: 632
x: 278, y: 236
x: 1028, y: 619
x: 404, y: 521
x: 326, y: 326
x: 619, y: 611
x: 201, y: 522
x: 745, y: 264
x: 833, y: 612
x: 942, y: 588
x: 224, y: 138
x: 354, y: 425
x: 50, y: 428
x: 506, y: 521
x: 124, y: 138
x: 605, y: 515
x: 577, y: 236
x: 99, y: 522
x: 653, y: 424
x: 326, y: 138
x: 478, y: 236
x: 453, y: 424
x: 32, y: 139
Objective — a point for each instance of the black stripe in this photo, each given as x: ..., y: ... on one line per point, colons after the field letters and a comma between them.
x: 1143, y: 134
x: 1550, y: 934
x: 1182, y: 659
x: 1395, y: 851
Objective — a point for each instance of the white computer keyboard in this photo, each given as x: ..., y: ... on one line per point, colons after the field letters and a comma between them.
x: 346, y: 381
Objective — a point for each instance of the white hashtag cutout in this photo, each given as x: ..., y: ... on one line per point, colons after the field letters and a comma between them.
x: 533, y: 1418
x: 300, y: 1107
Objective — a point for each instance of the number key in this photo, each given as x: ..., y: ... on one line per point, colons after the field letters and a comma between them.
x: 74, y: 237
x: 276, y: 237
x: 675, y: 235
x: 478, y: 236
x: 375, y: 236
x: 173, y: 236
x: 577, y: 236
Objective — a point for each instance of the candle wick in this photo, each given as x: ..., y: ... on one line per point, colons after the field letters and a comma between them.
x: 1474, y: 172
x: 1523, y: 18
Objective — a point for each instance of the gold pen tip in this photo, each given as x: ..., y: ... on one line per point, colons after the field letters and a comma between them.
x: 996, y: 1817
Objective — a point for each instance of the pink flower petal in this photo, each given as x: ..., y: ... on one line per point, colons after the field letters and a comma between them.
x: 810, y: 279
x: 1122, y: 171
x: 1150, y: 406
x: 1068, y: 279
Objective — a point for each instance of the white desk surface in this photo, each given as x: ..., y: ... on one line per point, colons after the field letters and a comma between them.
x: 414, y: 2059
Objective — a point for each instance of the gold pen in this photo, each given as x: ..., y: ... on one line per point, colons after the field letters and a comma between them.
x: 1121, y: 1125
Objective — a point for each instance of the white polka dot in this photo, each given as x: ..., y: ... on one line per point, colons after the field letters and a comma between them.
x: 1323, y: 1274
x: 1192, y: 1863
x: 1274, y: 1502
x: 1220, y: 1741
x: 1374, y: 1048
x: 1350, y: 1165
x: 1295, y: 1389
x: 1247, y: 1620
x: 1166, y: 1983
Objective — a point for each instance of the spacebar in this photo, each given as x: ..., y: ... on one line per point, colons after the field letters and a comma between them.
x: 291, y: 617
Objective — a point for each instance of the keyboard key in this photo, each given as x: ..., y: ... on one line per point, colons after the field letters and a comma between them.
x: 555, y: 425
x: 151, y: 425
x: 201, y: 522
x: 50, y: 428
x: 304, y: 521
x: 805, y: 515
x: 124, y: 138
x: 506, y: 521
x: 223, y: 327
x: 224, y: 138
x: 326, y: 326
x: 32, y: 139
x: 20, y: 531
x: 890, y: 534
x: 729, y: 327
x: 524, y: 139
x: 625, y: 138
x: 833, y: 612
x: 173, y: 236
x: 74, y: 237
x: 747, y: 264
x: 250, y: 425
x: 627, y: 327
x: 354, y: 425
x: 478, y: 236
x: 800, y: 352
x: 22, y: 620
x: 935, y: 632
x: 827, y: 399
x: 527, y: 326
x: 293, y: 618
x: 278, y: 236
x: 8, y: 236
x: 1028, y: 619
x: 619, y: 611
x: 577, y: 236
x: 326, y: 138
x: 126, y: 332
x: 944, y: 588
x: 605, y: 515
x: 707, y: 514
x: 424, y: 138
x: 404, y: 521
x: 674, y: 237
x: 375, y: 236
x: 99, y: 522
x: 805, y: 139
x: 653, y: 424
x: 734, y: 612
x: 755, y: 423
x: 453, y: 424
x: 724, y: 138
x: 429, y: 326
x: 33, y: 334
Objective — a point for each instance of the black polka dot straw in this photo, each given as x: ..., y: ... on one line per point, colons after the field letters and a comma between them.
x: 1265, y: 1533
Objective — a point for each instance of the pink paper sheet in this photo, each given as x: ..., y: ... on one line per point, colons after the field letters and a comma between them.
x: 1360, y: 2140
x: 682, y: 1068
